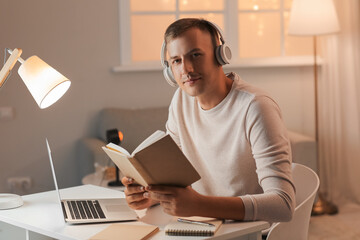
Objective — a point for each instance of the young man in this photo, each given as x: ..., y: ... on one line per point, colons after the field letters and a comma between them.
x: 231, y: 132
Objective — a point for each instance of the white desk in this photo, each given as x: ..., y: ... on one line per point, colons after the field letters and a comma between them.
x: 41, y: 213
x: 98, y: 179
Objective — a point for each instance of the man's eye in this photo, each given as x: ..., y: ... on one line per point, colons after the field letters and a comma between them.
x: 175, y: 61
x: 196, y: 54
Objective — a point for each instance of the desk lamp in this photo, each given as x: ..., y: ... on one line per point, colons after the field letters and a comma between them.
x: 313, y: 18
x: 45, y: 84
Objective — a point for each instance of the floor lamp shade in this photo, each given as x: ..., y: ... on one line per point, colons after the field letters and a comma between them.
x: 313, y: 17
x: 45, y: 84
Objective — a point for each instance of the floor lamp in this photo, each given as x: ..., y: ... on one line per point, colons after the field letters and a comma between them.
x: 313, y: 18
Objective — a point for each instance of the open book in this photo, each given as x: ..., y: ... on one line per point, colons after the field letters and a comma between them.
x: 157, y: 160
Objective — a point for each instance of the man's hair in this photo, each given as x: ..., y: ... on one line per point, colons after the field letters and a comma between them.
x: 180, y: 26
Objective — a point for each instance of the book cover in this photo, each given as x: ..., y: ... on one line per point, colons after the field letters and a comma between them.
x: 126, y: 231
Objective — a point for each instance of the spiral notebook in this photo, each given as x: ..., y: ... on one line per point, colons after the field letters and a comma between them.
x: 176, y: 228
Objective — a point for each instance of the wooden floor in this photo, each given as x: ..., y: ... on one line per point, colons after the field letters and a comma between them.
x: 343, y: 226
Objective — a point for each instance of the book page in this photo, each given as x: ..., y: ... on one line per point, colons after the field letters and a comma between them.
x: 126, y: 167
x: 118, y: 148
x: 148, y: 141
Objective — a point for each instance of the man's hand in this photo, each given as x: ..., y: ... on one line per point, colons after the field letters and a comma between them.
x: 135, y: 195
x: 176, y: 201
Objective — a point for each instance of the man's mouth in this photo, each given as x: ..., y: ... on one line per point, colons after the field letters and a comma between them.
x: 191, y: 80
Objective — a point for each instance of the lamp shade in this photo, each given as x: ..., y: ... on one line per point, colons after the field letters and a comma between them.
x: 313, y: 17
x: 45, y: 84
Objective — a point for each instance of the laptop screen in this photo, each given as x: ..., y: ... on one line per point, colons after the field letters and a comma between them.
x: 53, y: 172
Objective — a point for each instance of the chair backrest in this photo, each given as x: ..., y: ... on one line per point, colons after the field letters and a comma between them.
x: 306, y: 183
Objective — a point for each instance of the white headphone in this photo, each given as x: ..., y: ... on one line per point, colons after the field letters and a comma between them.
x: 222, y: 54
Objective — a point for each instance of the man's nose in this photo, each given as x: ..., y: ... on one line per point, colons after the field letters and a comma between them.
x: 187, y: 67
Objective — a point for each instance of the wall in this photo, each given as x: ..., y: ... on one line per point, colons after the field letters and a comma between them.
x: 80, y: 39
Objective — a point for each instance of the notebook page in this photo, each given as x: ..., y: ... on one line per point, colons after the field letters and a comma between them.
x: 176, y: 228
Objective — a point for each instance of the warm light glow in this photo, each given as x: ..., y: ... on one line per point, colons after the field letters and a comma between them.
x: 259, y: 35
x: 153, y: 5
x: 55, y: 94
x: 45, y: 84
x: 121, y: 136
x: 310, y: 17
x: 296, y: 45
x: 201, y: 5
x: 255, y: 5
x: 144, y: 26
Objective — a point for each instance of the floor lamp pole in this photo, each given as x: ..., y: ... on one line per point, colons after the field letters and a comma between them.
x: 321, y: 206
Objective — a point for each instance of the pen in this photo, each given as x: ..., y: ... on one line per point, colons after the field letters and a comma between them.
x: 195, y: 222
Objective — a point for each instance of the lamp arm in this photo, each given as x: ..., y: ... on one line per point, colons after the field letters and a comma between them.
x: 9, y: 64
x: 18, y: 58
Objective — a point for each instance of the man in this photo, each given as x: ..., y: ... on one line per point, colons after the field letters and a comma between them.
x: 230, y: 131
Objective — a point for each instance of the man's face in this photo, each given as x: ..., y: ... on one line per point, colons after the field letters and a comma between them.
x: 192, y: 60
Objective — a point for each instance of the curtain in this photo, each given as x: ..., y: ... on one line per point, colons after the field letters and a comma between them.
x: 339, y: 108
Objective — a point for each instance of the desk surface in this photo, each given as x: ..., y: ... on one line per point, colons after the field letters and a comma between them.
x: 41, y: 213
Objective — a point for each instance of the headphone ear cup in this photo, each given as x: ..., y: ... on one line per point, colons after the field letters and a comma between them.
x: 223, y: 54
x: 169, y: 77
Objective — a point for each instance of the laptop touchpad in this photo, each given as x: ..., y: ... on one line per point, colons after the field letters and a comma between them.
x: 117, y: 208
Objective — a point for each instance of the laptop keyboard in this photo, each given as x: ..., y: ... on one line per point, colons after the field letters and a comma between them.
x: 85, y: 209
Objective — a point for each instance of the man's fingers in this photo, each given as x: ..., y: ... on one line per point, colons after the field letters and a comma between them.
x: 158, y: 196
x: 161, y: 189
x: 138, y: 204
x: 133, y: 189
x: 135, y: 197
x: 127, y: 181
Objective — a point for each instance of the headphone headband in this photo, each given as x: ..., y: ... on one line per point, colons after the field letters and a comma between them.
x: 164, y: 62
x: 218, y: 30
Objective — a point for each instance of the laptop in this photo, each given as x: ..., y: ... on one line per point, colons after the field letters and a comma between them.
x: 78, y: 211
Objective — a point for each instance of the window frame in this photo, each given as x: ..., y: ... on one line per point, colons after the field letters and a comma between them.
x: 230, y: 16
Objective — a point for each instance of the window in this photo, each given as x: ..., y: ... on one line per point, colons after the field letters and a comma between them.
x: 254, y: 29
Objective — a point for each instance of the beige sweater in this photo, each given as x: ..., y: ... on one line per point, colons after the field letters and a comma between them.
x: 240, y: 148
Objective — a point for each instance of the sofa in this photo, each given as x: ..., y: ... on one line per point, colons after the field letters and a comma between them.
x: 137, y: 124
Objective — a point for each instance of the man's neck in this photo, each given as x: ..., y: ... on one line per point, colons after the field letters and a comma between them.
x: 214, y: 97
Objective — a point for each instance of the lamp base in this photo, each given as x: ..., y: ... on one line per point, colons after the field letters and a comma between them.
x: 322, y: 206
x: 115, y: 183
x: 8, y: 201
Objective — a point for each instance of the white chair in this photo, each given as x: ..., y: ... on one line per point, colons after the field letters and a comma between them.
x: 306, y: 183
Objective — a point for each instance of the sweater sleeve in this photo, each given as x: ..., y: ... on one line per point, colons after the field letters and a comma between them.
x: 271, y: 150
